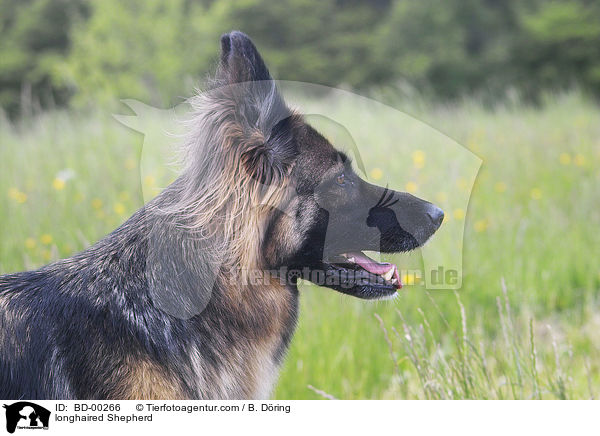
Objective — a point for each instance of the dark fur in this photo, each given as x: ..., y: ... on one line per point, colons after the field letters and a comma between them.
x: 150, y: 310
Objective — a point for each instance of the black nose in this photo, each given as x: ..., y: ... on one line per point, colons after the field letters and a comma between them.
x: 436, y: 215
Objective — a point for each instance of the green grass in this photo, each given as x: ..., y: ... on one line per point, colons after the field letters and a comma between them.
x: 525, y: 322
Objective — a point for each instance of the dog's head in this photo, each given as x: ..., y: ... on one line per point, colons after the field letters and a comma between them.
x: 322, y: 215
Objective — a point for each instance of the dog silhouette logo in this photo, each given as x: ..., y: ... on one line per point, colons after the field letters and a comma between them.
x: 26, y: 415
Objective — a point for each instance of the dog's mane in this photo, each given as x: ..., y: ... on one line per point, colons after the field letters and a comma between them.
x: 236, y: 160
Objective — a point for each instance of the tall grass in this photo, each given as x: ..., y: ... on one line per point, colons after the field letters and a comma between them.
x: 468, y: 365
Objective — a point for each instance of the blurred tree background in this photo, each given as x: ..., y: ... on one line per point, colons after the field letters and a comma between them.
x: 85, y: 52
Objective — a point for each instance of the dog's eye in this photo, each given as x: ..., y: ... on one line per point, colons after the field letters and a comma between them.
x: 341, y: 179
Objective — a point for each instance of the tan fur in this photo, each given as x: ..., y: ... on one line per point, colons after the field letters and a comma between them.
x: 234, y: 204
x: 147, y: 381
x: 270, y: 306
x: 234, y: 209
x: 264, y: 368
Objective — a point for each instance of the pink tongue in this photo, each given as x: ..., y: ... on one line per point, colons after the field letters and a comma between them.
x: 374, y: 267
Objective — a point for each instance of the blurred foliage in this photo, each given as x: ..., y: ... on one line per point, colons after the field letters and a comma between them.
x: 147, y: 49
x: 34, y: 40
x: 560, y: 43
x: 83, y: 51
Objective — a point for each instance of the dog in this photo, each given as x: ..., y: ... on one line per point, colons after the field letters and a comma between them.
x: 160, y: 308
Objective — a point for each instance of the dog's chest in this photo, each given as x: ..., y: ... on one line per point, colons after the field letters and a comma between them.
x: 244, y: 358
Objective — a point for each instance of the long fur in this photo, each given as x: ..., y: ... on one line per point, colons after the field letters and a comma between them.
x: 151, y: 311
x: 160, y: 308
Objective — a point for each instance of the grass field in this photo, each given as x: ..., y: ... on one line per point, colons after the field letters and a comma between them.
x: 525, y: 324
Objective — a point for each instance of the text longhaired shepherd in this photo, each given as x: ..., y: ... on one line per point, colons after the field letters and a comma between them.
x: 155, y: 311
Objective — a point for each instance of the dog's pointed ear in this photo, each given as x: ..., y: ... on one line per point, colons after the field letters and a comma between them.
x: 240, y: 60
x: 262, y: 120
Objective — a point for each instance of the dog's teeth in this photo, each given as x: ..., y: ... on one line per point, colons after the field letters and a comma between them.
x: 388, y: 275
x: 394, y: 281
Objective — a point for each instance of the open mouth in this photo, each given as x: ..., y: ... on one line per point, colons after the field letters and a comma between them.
x: 359, y: 275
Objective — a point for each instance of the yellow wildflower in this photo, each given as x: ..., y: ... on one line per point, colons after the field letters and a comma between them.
x: 458, y: 214
x: 408, y: 279
x: 481, y: 225
x: 46, y: 239
x: 18, y: 196
x: 411, y: 187
x: 376, y: 173
x: 96, y: 203
x: 579, y: 160
x: 149, y: 180
x: 30, y: 243
x: 119, y: 209
x: 500, y: 187
x: 536, y: 193
x: 565, y: 158
x: 418, y: 159
x: 58, y: 184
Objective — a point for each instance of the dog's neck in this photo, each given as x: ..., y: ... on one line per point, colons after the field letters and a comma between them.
x: 208, y: 333
x: 255, y: 326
